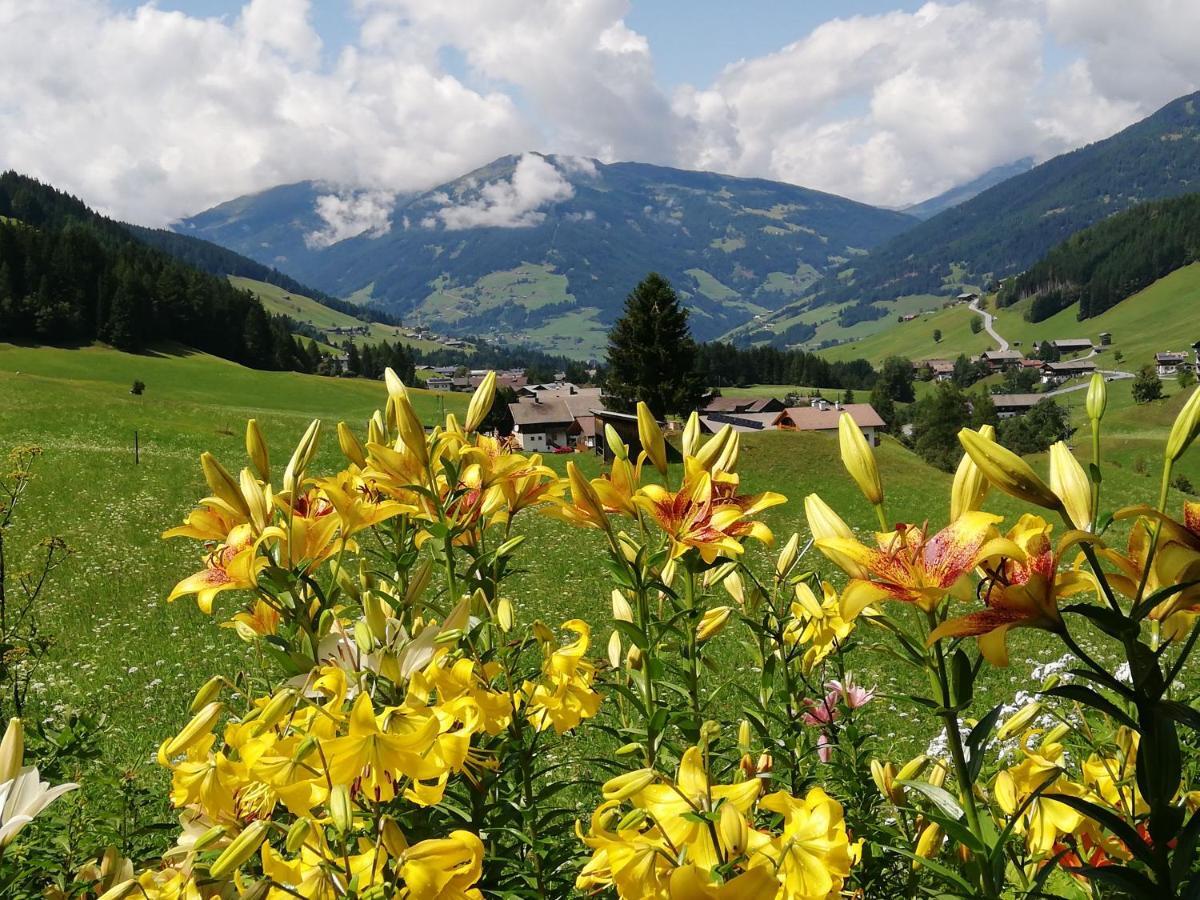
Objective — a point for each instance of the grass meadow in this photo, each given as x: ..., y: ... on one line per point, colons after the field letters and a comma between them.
x: 121, y: 649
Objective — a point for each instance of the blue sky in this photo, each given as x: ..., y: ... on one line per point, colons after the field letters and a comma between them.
x: 692, y: 40
x: 891, y: 102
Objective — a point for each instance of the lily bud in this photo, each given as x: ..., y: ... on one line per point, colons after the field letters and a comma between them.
x: 412, y: 432
x: 1007, y: 471
x: 542, y: 632
x: 929, y: 843
x: 1071, y: 484
x: 207, y: 693
x: 193, y: 732
x: 735, y: 834
x: 1187, y: 425
x: 122, y: 890
x: 621, y: 609
x: 714, y: 447
x: 691, y: 435
x: 613, y: 441
x: 376, y: 617
x: 301, y: 457
x: 297, y: 835
x: 633, y: 658
x: 744, y: 735
x: 208, y: 839
x: 376, y: 430
x: 712, y: 622
x: 727, y: 461
x: 913, y: 768
x: 765, y: 764
x: 632, y: 819
x: 884, y: 776
x: 341, y: 811
x: 395, y: 387
x: 257, y: 501
x: 1097, y: 397
x: 651, y: 437
x: 223, y: 485
x: 970, y: 487
x: 859, y: 459
x: 787, y: 556
x: 937, y: 774
x: 823, y: 522
x: 256, y: 449
x: 628, y: 749
x: 481, y: 403
x: 614, y: 650
x: 627, y: 784
x: 584, y: 496
x: 351, y: 446
x: 244, y: 846
x: 1018, y: 720
x: 733, y: 584
x: 1056, y: 734
x: 277, y: 707
x: 12, y: 750
x: 504, y: 614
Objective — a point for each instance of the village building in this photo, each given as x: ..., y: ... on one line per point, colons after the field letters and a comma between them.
x: 735, y: 405
x: 1072, y: 345
x: 967, y: 297
x: 1105, y: 338
x: 998, y: 360
x: 1170, y: 363
x: 1058, y: 372
x: 439, y: 383
x: 556, y: 417
x: 941, y: 369
x: 1009, y: 405
x: 712, y: 422
x: 824, y: 416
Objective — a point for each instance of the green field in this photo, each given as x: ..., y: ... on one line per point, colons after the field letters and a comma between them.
x: 1162, y: 317
x: 120, y: 649
x: 914, y: 340
x: 304, y: 309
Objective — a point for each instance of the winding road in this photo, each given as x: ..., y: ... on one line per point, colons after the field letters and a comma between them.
x: 989, y: 326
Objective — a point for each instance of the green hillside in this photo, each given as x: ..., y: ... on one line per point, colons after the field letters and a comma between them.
x: 1008, y: 227
x: 1162, y: 317
x: 280, y: 301
x: 914, y: 339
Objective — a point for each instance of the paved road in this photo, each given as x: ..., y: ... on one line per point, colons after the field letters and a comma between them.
x: 988, y: 319
x: 988, y: 326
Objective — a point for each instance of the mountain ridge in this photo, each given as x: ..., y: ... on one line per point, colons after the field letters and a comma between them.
x: 544, y: 248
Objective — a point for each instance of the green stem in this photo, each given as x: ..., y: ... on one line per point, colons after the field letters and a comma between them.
x: 949, y: 716
x: 693, y: 646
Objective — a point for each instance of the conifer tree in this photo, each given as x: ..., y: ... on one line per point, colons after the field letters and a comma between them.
x: 651, y: 354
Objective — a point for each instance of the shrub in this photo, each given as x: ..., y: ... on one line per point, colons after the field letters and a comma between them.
x: 138, y: 388
x: 418, y: 733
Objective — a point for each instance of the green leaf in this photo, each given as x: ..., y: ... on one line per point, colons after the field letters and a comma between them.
x: 1143, y: 609
x: 631, y: 633
x: 940, y: 797
x: 1181, y: 712
x: 944, y: 871
x: 1132, y: 883
x: 1112, y: 623
x: 963, y: 676
x: 1088, y: 697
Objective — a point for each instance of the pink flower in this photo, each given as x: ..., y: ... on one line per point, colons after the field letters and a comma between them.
x: 824, y: 748
x: 853, y: 695
x: 821, y: 712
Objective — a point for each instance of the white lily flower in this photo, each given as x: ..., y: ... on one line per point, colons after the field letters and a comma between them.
x: 23, y: 798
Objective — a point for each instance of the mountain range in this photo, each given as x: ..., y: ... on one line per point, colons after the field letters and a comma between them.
x: 544, y: 249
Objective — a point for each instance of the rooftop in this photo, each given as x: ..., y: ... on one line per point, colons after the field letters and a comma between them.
x: 816, y: 418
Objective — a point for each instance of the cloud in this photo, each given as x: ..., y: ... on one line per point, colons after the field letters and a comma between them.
x: 350, y: 214
x: 516, y: 202
x: 152, y: 114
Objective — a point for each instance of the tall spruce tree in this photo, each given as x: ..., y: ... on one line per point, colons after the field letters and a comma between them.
x: 651, y: 354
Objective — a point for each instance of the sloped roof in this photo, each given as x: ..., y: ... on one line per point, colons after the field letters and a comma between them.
x: 813, y: 418
x: 1072, y: 365
x: 740, y: 421
x: 1012, y: 401
x: 549, y: 412
x: 742, y: 405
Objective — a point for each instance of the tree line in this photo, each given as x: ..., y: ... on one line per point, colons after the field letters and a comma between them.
x: 1102, y: 265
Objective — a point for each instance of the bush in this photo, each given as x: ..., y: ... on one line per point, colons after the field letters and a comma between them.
x: 1182, y: 484
x: 1147, y: 386
x: 138, y: 388
x: 416, y: 733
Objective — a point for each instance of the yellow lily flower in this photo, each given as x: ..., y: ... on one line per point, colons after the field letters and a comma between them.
x: 381, y: 758
x: 1023, y: 592
x: 813, y: 852
x: 911, y: 566
x: 234, y: 565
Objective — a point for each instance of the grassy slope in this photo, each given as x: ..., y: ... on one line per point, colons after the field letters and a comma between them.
x: 1161, y: 317
x: 914, y: 339
x: 122, y: 649
x: 304, y: 309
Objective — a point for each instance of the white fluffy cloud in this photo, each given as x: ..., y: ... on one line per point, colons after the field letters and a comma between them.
x: 351, y: 213
x: 153, y: 114
x: 515, y: 202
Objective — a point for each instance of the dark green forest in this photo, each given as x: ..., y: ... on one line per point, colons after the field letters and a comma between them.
x: 1102, y: 265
